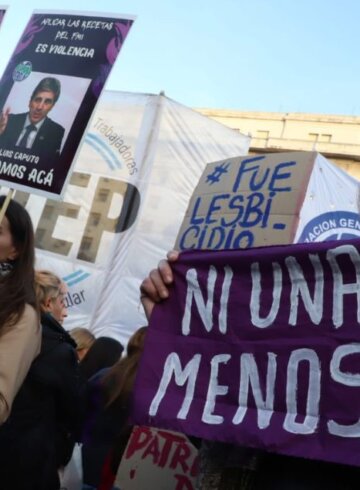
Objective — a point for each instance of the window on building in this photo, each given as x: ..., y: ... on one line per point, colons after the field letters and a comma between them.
x: 262, y: 134
x: 86, y: 243
x: 71, y: 213
x: 80, y: 179
x: 103, y: 195
x: 94, y: 219
x: 313, y: 136
x: 59, y: 244
x: 48, y: 212
x: 320, y: 137
x: 40, y: 234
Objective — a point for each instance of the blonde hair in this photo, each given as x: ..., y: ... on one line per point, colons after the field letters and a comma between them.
x: 47, y: 286
x: 83, y: 337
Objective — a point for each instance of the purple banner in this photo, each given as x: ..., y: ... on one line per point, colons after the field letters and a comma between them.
x: 260, y: 348
x: 48, y: 93
x: 2, y: 14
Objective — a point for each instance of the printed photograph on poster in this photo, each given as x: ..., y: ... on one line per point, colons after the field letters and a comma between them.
x: 48, y: 93
x: 49, y: 104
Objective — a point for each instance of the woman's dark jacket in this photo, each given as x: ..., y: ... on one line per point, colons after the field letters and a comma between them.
x: 38, y: 437
x: 105, y: 433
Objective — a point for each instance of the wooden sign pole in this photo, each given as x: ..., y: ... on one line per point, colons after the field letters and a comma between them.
x: 6, y: 204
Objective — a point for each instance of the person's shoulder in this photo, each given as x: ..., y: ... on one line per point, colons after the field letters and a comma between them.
x: 27, y: 327
x: 29, y: 318
x: 54, y: 125
x: 55, y: 342
x: 30, y: 313
x: 98, y: 376
x: 28, y: 322
x: 55, y: 331
x: 17, y: 117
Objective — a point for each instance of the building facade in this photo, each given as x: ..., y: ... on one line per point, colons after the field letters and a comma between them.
x: 336, y: 137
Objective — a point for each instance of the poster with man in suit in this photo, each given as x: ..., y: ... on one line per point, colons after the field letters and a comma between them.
x: 34, y: 129
x: 48, y: 94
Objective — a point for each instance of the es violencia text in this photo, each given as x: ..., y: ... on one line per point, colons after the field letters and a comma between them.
x: 82, y: 25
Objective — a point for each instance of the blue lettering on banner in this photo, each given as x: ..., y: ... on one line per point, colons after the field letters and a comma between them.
x: 231, y: 219
x: 338, y: 225
x: 216, y: 175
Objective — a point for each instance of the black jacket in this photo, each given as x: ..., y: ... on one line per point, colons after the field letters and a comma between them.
x: 48, y: 139
x: 38, y: 436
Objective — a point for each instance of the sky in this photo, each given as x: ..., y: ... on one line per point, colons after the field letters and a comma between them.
x: 256, y: 55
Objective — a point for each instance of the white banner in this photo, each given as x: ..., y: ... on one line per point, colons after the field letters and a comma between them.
x: 137, y: 168
x: 331, y: 208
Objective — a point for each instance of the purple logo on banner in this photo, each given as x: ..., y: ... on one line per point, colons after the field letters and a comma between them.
x: 260, y: 347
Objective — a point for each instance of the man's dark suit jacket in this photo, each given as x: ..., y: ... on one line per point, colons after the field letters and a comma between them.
x: 48, y: 138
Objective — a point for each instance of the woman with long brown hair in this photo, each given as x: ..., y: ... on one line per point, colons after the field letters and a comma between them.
x: 119, y: 380
x: 38, y: 438
x: 106, y: 435
x: 20, y: 334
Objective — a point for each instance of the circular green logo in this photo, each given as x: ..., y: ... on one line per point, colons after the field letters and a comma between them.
x: 22, y: 71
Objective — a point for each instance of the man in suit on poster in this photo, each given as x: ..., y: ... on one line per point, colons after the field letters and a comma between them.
x: 34, y: 130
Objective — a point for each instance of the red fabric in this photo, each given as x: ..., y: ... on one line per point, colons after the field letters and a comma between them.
x: 107, y: 476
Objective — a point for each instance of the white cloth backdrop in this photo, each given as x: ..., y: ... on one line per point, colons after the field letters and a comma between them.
x: 139, y: 163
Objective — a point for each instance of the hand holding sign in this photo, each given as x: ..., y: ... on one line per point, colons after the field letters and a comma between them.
x: 78, y: 50
x: 4, y: 117
x: 155, y: 287
x: 297, y: 408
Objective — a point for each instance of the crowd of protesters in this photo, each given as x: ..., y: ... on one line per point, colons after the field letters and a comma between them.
x: 59, y: 388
